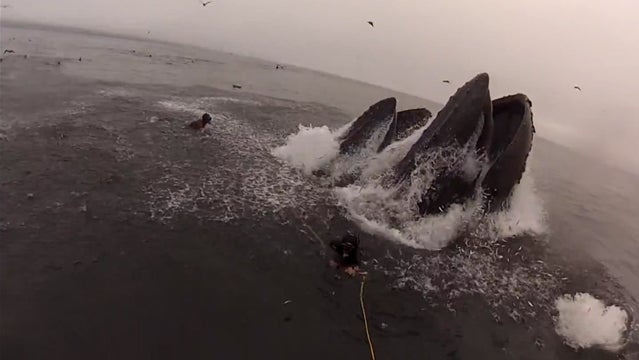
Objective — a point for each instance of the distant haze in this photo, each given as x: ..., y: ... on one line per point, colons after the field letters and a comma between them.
x: 539, y: 47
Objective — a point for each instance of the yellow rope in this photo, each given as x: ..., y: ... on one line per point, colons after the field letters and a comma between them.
x: 361, y: 302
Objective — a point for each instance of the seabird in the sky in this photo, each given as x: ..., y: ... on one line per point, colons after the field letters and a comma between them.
x: 5, y: 6
x: 370, y: 23
x: 8, y: 51
x: 577, y: 87
x: 205, y: 3
x: 446, y: 81
x: 235, y: 86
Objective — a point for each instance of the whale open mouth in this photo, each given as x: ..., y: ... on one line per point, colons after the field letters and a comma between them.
x: 473, y: 143
x: 398, y: 175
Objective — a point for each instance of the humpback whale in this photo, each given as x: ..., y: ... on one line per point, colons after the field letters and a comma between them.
x: 410, y: 120
x: 513, y: 136
x: 462, y: 128
x: 474, y: 147
x: 378, y: 116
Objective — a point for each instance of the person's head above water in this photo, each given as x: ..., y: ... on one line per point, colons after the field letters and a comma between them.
x: 201, y: 123
x: 346, y: 249
x: 206, y: 118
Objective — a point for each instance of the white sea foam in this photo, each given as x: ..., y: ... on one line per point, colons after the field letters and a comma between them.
x: 526, y: 213
x: 355, y: 162
x: 392, y: 211
x: 396, y: 151
x: 392, y: 214
x: 585, y: 321
x: 309, y: 149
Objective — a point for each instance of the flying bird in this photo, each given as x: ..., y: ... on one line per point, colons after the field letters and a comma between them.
x: 577, y: 87
x: 205, y: 3
x: 5, y: 6
x: 370, y: 23
x: 8, y: 51
x: 446, y: 81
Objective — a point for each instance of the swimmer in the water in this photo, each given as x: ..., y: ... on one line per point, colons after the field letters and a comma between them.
x: 201, y: 124
x: 346, y: 249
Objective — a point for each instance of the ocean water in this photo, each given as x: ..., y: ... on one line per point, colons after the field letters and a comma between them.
x: 567, y: 248
x: 552, y: 209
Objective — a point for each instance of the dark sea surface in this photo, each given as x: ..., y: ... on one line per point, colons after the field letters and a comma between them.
x: 123, y: 235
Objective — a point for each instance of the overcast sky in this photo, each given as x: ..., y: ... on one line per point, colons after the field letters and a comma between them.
x: 539, y: 47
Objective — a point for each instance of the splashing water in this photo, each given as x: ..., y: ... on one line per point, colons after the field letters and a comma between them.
x: 273, y: 182
x: 352, y: 164
x: 526, y: 213
x: 393, y: 154
x: 309, y: 149
x: 261, y: 186
x: 391, y: 211
x: 585, y: 321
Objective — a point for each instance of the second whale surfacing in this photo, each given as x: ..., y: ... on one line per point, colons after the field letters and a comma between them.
x: 475, y: 146
x: 379, y: 116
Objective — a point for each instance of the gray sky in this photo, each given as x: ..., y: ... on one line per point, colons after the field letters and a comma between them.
x: 539, y: 47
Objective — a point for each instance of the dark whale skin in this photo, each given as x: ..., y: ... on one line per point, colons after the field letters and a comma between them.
x: 378, y: 115
x: 410, y: 120
x: 513, y: 136
x: 468, y: 111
